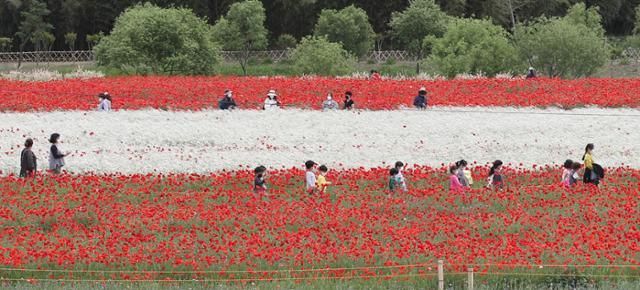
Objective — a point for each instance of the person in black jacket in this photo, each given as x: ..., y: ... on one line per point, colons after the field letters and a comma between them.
x: 28, y: 160
x: 348, y: 102
x: 420, y: 101
x: 227, y: 102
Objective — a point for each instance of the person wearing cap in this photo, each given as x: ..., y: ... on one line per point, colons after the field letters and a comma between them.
x: 227, y: 102
x: 531, y: 74
x: 105, y: 102
x: 421, y: 100
x: 271, y: 102
x: 348, y: 102
x: 310, y: 177
x: 330, y: 104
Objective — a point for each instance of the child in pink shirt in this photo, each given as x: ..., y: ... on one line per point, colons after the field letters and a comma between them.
x: 454, y: 182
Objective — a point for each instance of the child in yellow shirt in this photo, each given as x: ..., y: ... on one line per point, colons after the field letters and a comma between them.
x: 322, y: 182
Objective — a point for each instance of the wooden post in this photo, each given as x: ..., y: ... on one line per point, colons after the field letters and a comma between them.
x: 470, y: 277
x: 440, y: 275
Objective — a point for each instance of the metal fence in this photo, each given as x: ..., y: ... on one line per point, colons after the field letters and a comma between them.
x: 273, y: 55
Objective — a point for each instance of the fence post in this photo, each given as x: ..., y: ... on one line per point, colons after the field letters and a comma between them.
x: 470, y: 277
x: 440, y: 275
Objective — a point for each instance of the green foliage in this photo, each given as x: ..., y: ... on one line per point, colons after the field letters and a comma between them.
x: 94, y: 39
x: 421, y: 19
x: 636, y: 28
x: 33, y: 27
x: 70, y: 39
x: 242, y: 29
x: 5, y: 43
x: 42, y: 40
x: 316, y: 55
x: 580, y: 15
x: 147, y: 38
x: 286, y: 41
x: 349, y: 26
x: 474, y: 46
x: 559, y: 47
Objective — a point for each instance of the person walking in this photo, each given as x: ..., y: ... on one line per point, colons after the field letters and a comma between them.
x: 590, y: 175
x: 56, y: 157
x: 495, y: 179
x: 420, y: 101
x: 465, y: 180
x: 28, y: 160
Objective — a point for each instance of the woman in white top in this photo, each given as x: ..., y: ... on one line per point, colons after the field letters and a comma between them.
x: 105, y: 102
x: 271, y: 102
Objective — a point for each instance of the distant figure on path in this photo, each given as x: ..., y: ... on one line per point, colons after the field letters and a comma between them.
x: 271, y: 102
x: 531, y: 74
x: 330, y: 103
x: 420, y: 101
x: 348, y: 101
x: 28, y: 160
x: 227, y: 102
x: 56, y: 157
x: 105, y: 102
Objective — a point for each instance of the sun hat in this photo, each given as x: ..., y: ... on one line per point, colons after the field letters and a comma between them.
x: 272, y: 93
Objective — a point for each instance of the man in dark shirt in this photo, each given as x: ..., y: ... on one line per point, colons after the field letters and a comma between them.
x: 531, y: 74
x: 421, y: 100
x: 227, y: 102
x: 348, y: 102
x: 28, y: 163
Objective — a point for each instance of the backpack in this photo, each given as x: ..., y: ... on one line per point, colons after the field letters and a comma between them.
x: 598, y: 170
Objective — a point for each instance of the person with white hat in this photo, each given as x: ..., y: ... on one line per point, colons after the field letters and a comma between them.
x: 271, y: 102
x: 420, y: 101
x: 330, y: 103
x: 105, y: 102
x: 531, y: 74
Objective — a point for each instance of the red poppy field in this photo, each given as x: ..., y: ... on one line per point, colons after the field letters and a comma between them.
x: 214, y: 228
x: 197, y: 93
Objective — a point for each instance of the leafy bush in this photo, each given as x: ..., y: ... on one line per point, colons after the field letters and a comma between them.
x: 474, y: 46
x: 148, y: 38
x: 286, y: 41
x: 70, y: 39
x: 5, y: 43
x: 421, y: 19
x: 316, y: 55
x: 565, y: 47
x: 349, y: 26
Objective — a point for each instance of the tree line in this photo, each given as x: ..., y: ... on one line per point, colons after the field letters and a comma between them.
x: 79, y: 24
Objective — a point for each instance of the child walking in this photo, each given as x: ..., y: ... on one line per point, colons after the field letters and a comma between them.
x: 574, y: 177
x: 454, y: 182
x: 259, y: 182
x: 322, y: 182
x: 402, y: 183
x: 495, y: 179
x: 464, y: 175
x: 394, y: 181
x: 567, y: 172
x: 310, y: 177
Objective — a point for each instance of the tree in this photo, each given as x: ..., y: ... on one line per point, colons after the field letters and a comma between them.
x: 33, y: 27
x: 349, y: 26
x: 636, y: 28
x: 421, y: 19
x: 286, y: 41
x: 5, y: 43
x: 147, y: 38
x: 70, y: 39
x: 316, y: 55
x: 580, y: 15
x: 474, y: 46
x: 242, y: 30
x: 42, y: 40
x: 94, y: 39
x: 561, y: 48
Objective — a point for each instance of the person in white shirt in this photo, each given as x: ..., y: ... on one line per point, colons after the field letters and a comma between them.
x: 271, y: 102
x: 105, y: 102
x: 310, y: 177
x: 330, y: 104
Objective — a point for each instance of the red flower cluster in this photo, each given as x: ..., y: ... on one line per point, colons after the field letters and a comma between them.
x: 196, y: 93
x: 164, y: 226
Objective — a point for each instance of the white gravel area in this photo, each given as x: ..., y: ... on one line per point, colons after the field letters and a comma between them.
x: 208, y: 141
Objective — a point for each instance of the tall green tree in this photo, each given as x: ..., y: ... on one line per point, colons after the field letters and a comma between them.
x: 317, y: 55
x: 147, y: 38
x: 421, y: 19
x: 349, y: 26
x: 242, y: 29
x: 33, y: 25
x: 474, y: 46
